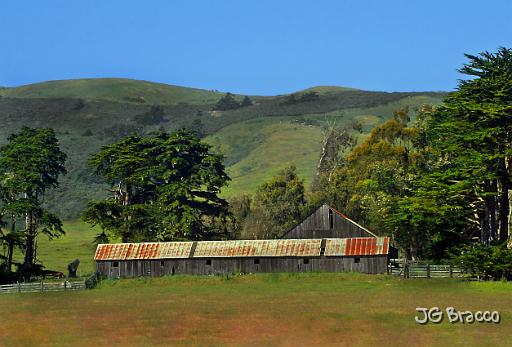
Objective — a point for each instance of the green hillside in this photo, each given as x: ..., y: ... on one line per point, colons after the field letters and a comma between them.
x: 257, y: 149
x: 114, y: 89
x: 257, y: 140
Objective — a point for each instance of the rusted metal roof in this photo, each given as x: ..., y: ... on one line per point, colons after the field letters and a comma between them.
x: 243, y: 248
x: 149, y: 250
x: 258, y: 248
x: 357, y: 246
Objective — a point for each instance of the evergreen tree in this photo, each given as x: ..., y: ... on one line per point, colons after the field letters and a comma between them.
x: 164, y: 187
x: 472, y: 132
x: 227, y: 102
x: 246, y: 102
x: 278, y: 205
x: 30, y: 164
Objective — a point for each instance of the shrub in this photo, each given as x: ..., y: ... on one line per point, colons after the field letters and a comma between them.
x: 489, y: 262
x: 155, y: 115
x: 93, y: 281
x: 227, y: 102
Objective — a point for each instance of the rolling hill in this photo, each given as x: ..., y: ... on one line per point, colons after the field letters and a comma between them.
x: 257, y: 140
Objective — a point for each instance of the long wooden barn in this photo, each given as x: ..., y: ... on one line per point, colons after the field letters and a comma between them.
x: 326, y: 241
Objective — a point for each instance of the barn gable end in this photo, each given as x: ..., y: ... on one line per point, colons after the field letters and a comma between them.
x: 326, y: 222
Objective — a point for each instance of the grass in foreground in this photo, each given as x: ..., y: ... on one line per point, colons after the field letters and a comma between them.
x: 264, y: 309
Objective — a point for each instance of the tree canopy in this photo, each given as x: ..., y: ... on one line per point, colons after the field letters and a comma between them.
x: 163, y: 187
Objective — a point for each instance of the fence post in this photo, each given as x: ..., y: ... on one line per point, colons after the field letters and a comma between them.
x: 19, y: 287
x: 42, y: 286
x: 451, y: 271
x: 428, y: 270
x: 65, y: 285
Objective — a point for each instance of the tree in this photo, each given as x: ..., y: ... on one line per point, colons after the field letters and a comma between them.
x: 472, y: 132
x: 197, y: 128
x: 227, y: 102
x: 374, y: 182
x: 246, y: 102
x: 30, y: 164
x: 164, y: 187
x: 155, y: 115
x: 278, y: 204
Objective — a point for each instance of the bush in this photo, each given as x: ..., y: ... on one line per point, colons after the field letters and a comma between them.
x: 92, y: 281
x: 489, y: 262
x: 155, y: 115
x: 80, y: 104
x: 227, y: 102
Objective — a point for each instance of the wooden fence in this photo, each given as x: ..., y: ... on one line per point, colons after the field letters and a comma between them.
x: 422, y: 270
x: 40, y: 287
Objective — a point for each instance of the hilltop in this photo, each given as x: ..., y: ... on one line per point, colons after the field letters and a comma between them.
x: 257, y: 140
x: 113, y: 89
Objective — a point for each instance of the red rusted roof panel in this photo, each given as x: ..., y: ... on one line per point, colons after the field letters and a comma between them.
x: 137, y: 251
x: 357, y: 246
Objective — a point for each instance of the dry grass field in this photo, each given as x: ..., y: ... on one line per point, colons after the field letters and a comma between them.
x: 256, y: 310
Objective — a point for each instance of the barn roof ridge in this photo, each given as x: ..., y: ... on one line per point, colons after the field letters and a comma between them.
x: 351, y: 221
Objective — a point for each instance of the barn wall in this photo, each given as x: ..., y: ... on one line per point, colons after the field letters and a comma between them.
x: 317, y: 226
x: 217, y: 266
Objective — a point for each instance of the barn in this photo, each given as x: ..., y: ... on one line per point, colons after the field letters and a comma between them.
x: 326, y: 241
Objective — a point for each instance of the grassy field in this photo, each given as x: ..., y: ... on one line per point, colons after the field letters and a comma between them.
x: 256, y: 310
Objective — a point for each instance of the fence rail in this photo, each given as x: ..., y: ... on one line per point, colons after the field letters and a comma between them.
x: 40, y: 287
x: 422, y: 270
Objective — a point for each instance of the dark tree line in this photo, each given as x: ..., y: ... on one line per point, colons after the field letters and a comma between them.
x: 228, y: 102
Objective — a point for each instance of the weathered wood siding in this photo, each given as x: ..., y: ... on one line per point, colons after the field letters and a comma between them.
x: 319, y: 226
x: 213, y: 266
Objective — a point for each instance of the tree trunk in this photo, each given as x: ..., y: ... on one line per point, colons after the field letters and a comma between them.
x: 10, y: 251
x: 504, y: 209
x: 29, y: 245
x: 484, y: 227
x: 493, y: 209
x: 489, y: 226
x: 509, y: 219
x: 484, y: 217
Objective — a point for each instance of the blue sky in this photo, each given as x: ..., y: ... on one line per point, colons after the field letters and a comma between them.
x: 251, y: 47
